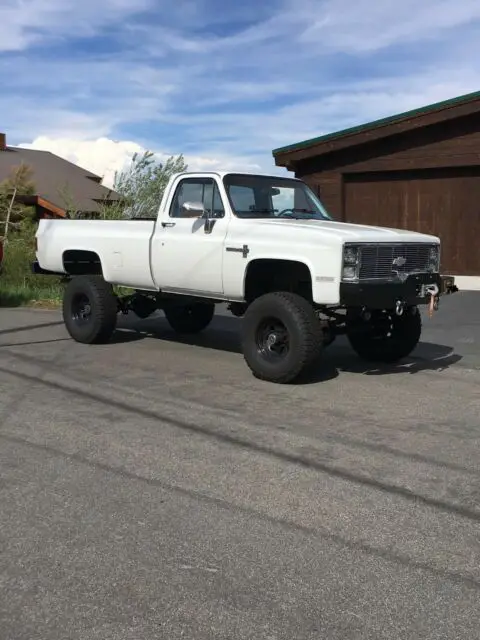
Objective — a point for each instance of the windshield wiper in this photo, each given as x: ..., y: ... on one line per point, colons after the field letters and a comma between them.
x: 307, y: 212
x: 304, y: 213
x: 254, y: 211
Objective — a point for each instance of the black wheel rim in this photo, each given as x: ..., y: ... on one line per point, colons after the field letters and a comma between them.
x: 81, y: 309
x: 383, y: 326
x: 272, y: 340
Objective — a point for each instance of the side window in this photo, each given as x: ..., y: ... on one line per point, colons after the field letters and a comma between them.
x: 189, y: 190
x: 197, y: 190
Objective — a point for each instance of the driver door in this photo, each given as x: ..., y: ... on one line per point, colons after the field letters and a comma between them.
x: 184, y: 257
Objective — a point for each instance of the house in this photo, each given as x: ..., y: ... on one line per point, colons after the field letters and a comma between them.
x: 61, y: 186
x: 418, y: 170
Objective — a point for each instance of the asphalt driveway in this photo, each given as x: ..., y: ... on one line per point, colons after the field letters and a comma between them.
x: 152, y: 488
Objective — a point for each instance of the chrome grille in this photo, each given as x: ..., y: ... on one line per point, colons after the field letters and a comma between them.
x: 377, y: 261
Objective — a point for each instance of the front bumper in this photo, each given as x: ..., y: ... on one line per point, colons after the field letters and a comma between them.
x: 385, y: 295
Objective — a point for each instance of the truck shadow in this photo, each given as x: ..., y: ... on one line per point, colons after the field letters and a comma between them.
x: 224, y: 335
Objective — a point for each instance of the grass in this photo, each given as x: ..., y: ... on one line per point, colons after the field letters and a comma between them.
x: 18, y: 285
x: 13, y: 296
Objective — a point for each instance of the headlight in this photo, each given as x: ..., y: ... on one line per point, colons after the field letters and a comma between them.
x: 434, y: 258
x: 350, y: 255
x: 351, y: 262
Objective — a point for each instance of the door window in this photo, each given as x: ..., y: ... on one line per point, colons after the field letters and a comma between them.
x: 203, y: 191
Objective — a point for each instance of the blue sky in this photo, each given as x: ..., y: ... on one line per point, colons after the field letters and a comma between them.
x: 222, y: 82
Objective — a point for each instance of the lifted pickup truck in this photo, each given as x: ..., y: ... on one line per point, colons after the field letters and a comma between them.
x: 266, y: 246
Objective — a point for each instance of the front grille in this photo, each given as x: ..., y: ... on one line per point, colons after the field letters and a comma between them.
x: 377, y: 261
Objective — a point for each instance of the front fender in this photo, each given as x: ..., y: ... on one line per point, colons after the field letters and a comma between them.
x: 325, y: 281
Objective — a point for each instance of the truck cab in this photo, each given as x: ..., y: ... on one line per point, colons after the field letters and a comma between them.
x: 213, y: 229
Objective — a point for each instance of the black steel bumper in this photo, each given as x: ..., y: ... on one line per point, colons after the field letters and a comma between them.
x: 385, y: 295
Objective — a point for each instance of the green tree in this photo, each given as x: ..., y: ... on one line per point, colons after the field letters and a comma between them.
x: 17, y: 221
x: 141, y: 186
x: 13, y: 212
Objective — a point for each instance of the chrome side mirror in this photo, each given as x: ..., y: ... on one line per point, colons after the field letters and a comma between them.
x: 197, y: 210
x: 193, y: 210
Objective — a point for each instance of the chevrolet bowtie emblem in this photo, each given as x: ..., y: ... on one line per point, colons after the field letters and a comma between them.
x: 399, y: 262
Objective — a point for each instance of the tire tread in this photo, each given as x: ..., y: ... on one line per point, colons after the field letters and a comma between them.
x: 309, y: 327
x: 105, y: 320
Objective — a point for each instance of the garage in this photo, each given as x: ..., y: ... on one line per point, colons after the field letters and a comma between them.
x: 418, y: 170
x: 439, y: 202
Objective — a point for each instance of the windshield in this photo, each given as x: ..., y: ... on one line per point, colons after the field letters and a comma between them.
x: 270, y: 197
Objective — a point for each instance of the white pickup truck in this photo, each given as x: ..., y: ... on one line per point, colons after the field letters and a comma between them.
x: 266, y: 246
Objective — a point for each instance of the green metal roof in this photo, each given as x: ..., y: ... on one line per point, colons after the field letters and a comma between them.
x: 379, y: 123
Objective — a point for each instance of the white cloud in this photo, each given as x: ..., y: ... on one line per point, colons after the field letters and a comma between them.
x: 101, y: 156
x: 104, y: 156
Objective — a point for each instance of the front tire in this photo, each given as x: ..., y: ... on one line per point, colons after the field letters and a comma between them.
x: 89, y: 309
x: 190, y: 318
x: 281, y: 337
x: 385, y: 338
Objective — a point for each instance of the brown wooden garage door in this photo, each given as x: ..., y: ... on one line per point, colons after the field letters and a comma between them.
x: 445, y: 203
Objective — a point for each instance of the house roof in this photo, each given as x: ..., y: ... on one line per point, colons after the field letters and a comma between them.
x: 38, y: 201
x: 58, y: 181
x: 386, y: 126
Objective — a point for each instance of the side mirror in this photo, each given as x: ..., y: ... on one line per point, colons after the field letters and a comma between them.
x: 192, y: 210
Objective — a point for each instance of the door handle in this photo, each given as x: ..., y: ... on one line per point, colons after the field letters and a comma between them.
x: 168, y: 224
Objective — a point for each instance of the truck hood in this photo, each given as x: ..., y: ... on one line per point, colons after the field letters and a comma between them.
x: 343, y: 231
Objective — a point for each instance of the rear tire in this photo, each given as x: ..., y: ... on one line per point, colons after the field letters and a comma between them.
x: 190, y: 318
x: 386, y: 338
x: 281, y: 337
x: 89, y: 309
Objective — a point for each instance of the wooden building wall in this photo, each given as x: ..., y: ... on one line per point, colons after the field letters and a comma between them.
x: 425, y: 180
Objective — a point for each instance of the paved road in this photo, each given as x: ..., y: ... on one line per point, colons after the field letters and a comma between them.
x: 154, y: 489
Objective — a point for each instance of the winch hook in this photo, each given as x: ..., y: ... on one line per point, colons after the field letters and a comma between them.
x: 432, y: 290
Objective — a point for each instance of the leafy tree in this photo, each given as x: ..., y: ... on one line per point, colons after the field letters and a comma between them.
x: 17, y: 222
x: 13, y: 213
x: 141, y: 186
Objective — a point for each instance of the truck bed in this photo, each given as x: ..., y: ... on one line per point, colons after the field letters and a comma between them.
x: 123, y: 247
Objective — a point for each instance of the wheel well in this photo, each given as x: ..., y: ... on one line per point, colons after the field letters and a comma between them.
x: 266, y: 275
x: 78, y: 262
